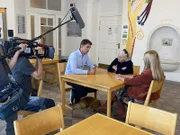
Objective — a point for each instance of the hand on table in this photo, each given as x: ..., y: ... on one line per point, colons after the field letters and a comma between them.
x: 92, y: 71
x: 119, y: 77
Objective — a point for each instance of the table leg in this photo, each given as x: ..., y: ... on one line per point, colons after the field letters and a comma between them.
x: 40, y: 88
x: 63, y: 96
x: 109, y: 103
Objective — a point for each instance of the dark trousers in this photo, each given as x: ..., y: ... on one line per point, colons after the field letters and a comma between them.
x: 9, y: 124
x: 35, y: 104
x: 80, y: 91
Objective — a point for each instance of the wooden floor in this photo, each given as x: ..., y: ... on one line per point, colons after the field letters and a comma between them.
x: 169, y: 101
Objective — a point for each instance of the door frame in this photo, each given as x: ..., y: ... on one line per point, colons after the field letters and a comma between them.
x: 54, y: 24
x: 37, y: 26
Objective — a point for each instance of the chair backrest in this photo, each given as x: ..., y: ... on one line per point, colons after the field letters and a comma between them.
x: 155, y: 86
x: 136, y: 70
x: 151, y: 118
x: 40, y: 123
x: 61, y: 69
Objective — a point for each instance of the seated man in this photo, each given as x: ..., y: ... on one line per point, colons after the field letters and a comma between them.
x: 22, y: 72
x: 76, y: 62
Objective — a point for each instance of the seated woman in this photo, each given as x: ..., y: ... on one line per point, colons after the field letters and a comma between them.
x: 136, y: 88
x: 122, y: 64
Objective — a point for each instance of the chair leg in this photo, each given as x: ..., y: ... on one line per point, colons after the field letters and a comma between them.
x: 153, y: 104
x: 95, y: 95
x: 41, y: 85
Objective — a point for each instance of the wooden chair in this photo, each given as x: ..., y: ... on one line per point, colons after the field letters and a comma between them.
x: 40, y: 123
x: 155, y: 86
x: 151, y: 118
x: 52, y: 71
x: 136, y: 70
x: 61, y: 69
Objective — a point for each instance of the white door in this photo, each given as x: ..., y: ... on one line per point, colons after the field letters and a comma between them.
x: 47, y: 22
x: 39, y: 24
x: 109, y: 38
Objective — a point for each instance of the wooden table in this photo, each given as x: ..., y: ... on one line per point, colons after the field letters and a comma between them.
x: 46, y: 61
x: 102, y: 81
x: 102, y: 125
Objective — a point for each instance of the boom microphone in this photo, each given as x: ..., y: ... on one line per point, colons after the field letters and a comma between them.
x: 77, y: 17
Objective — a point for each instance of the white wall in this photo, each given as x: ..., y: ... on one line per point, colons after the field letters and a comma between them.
x: 20, y: 9
x: 162, y: 12
x: 110, y: 7
x: 13, y: 9
x: 89, y: 11
x: 9, y: 5
x: 165, y: 52
x: 73, y: 43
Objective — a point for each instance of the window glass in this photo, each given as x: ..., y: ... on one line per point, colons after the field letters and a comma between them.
x: 38, y: 4
x: 51, y: 4
x: 50, y: 21
x: 54, y: 5
x: 48, y: 38
x: 43, y: 21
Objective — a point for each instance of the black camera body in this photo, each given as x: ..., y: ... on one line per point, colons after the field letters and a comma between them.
x: 31, y: 51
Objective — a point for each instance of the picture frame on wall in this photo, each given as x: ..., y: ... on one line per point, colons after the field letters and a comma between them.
x: 167, y: 41
x: 21, y: 25
x: 73, y: 30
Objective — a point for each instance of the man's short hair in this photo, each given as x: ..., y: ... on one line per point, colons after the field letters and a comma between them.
x: 85, y: 41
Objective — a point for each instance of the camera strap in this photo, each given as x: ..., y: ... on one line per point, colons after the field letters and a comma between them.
x: 4, y: 62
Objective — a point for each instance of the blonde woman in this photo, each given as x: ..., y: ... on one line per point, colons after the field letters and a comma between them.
x: 137, y: 87
x: 122, y: 64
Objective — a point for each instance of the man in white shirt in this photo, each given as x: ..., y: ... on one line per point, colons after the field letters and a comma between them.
x: 76, y: 62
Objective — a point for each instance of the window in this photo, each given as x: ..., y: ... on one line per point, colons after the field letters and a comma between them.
x: 38, y: 4
x: 46, y: 4
x: 54, y: 5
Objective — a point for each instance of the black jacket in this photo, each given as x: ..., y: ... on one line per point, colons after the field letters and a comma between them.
x: 127, y: 64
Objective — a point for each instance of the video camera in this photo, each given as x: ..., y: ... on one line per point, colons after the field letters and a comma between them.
x: 31, y: 51
x: 11, y: 46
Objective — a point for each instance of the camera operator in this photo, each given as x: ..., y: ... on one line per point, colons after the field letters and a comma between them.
x: 4, y: 81
x: 22, y: 70
x: 22, y: 73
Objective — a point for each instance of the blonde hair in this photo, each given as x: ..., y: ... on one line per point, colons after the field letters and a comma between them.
x: 151, y: 61
x: 124, y: 53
